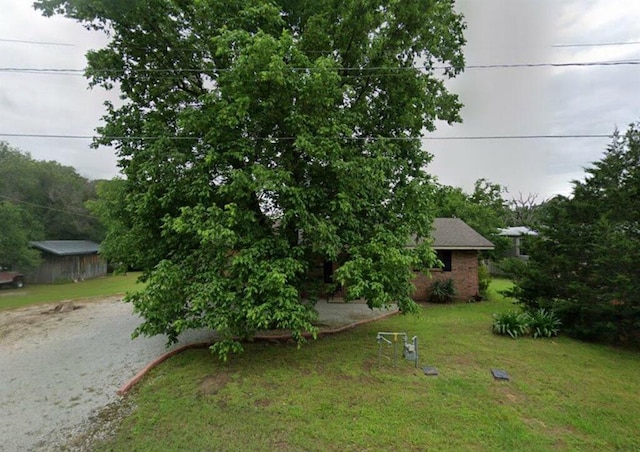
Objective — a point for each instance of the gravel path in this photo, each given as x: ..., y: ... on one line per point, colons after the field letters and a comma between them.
x: 59, y: 369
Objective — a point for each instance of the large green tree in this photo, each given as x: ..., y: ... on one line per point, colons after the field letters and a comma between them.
x: 585, y: 265
x: 50, y: 194
x: 259, y: 138
x: 109, y: 208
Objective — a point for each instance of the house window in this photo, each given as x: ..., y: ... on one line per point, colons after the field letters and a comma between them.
x: 327, y: 272
x: 523, y: 246
x: 444, y: 256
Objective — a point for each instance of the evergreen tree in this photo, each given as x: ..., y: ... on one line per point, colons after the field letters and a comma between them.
x: 585, y: 265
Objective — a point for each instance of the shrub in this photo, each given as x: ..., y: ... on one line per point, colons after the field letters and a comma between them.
x: 442, y: 291
x: 514, y: 324
x: 538, y: 323
x: 543, y: 323
x: 484, y: 279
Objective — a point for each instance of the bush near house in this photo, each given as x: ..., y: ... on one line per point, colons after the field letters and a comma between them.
x: 484, y: 279
x: 442, y: 291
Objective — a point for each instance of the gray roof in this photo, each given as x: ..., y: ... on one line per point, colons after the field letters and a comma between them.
x: 517, y: 231
x: 67, y: 247
x: 455, y: 234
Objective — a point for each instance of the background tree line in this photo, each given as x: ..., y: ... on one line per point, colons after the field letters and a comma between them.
x: 44, y: 200
x: 41, y: 200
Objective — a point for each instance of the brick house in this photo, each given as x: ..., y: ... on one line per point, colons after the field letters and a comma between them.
x: 457, y: 245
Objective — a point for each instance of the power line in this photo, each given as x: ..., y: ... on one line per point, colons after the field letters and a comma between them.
x: 584, y: 64
x: 599, y: 44
x: 49, y: 208
x: 90, y: 137
x: 521, y: 137
x: 66, y: 44
x: 67, y: 71
x: 275, y: 139
x: 44, y: 43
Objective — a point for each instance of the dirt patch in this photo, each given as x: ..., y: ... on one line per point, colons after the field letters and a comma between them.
x: 557, y: 432
x: 212, y: 384
x: 511, y: 398
x: 370, y: 364
x: 99, y: 427
x: 65, y: 306
x: 262, y: 403
x: 505, y: 394
x: 464, y: 360
x: 17, y: 324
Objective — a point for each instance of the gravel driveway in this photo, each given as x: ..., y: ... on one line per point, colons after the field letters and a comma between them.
x: 59, y: 369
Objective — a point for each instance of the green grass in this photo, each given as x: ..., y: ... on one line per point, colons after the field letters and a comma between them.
x: 44, y: 293
x: 331, y: 394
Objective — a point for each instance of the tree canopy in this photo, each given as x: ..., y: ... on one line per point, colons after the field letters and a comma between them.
x: 40, y: 200
x: 260, y: 138
x: 484, y: 210
x: 17, y: 229
x: 585, y: 263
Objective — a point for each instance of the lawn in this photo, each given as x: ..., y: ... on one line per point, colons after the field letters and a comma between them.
x: 332, y: 394
x: 91, y: 288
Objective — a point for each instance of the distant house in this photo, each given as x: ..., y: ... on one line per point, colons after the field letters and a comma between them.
x: 518, y: 249
x: 67, y: 260
x: 457, y: 245
x: 518, y: 235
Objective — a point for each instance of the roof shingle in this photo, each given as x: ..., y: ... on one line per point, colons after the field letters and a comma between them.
x: 455, y: 234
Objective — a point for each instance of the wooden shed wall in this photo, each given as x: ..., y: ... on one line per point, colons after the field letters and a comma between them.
x: 67, y: 268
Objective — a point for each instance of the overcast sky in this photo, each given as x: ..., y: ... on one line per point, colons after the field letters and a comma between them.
x: 572, y: 100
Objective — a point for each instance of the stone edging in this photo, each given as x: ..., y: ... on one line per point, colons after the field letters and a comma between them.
x: 124, y: 389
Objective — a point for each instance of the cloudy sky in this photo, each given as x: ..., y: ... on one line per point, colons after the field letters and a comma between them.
x: 499, y: 101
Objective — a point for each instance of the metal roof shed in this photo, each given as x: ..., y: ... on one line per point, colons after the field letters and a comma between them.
x: 67, y: 260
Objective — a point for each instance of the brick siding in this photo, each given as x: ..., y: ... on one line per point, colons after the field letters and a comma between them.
x: 464, y: 272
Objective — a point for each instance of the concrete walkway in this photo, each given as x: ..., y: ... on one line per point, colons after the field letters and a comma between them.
x: 57, y: 369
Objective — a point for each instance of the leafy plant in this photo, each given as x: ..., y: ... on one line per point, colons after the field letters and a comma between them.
x: 512, y: 323
x: 442, y: 291
x: 543, y: 323
x: 484, y: 279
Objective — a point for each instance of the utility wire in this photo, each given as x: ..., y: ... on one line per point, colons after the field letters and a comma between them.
x: 599, y: 44
x: 50, y: 43
x: 44, y: 43
x: 66, y: 71
x: 275, y: 139
x: 521, y: 137
x: 180, y: 49
x: 49, y: 208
